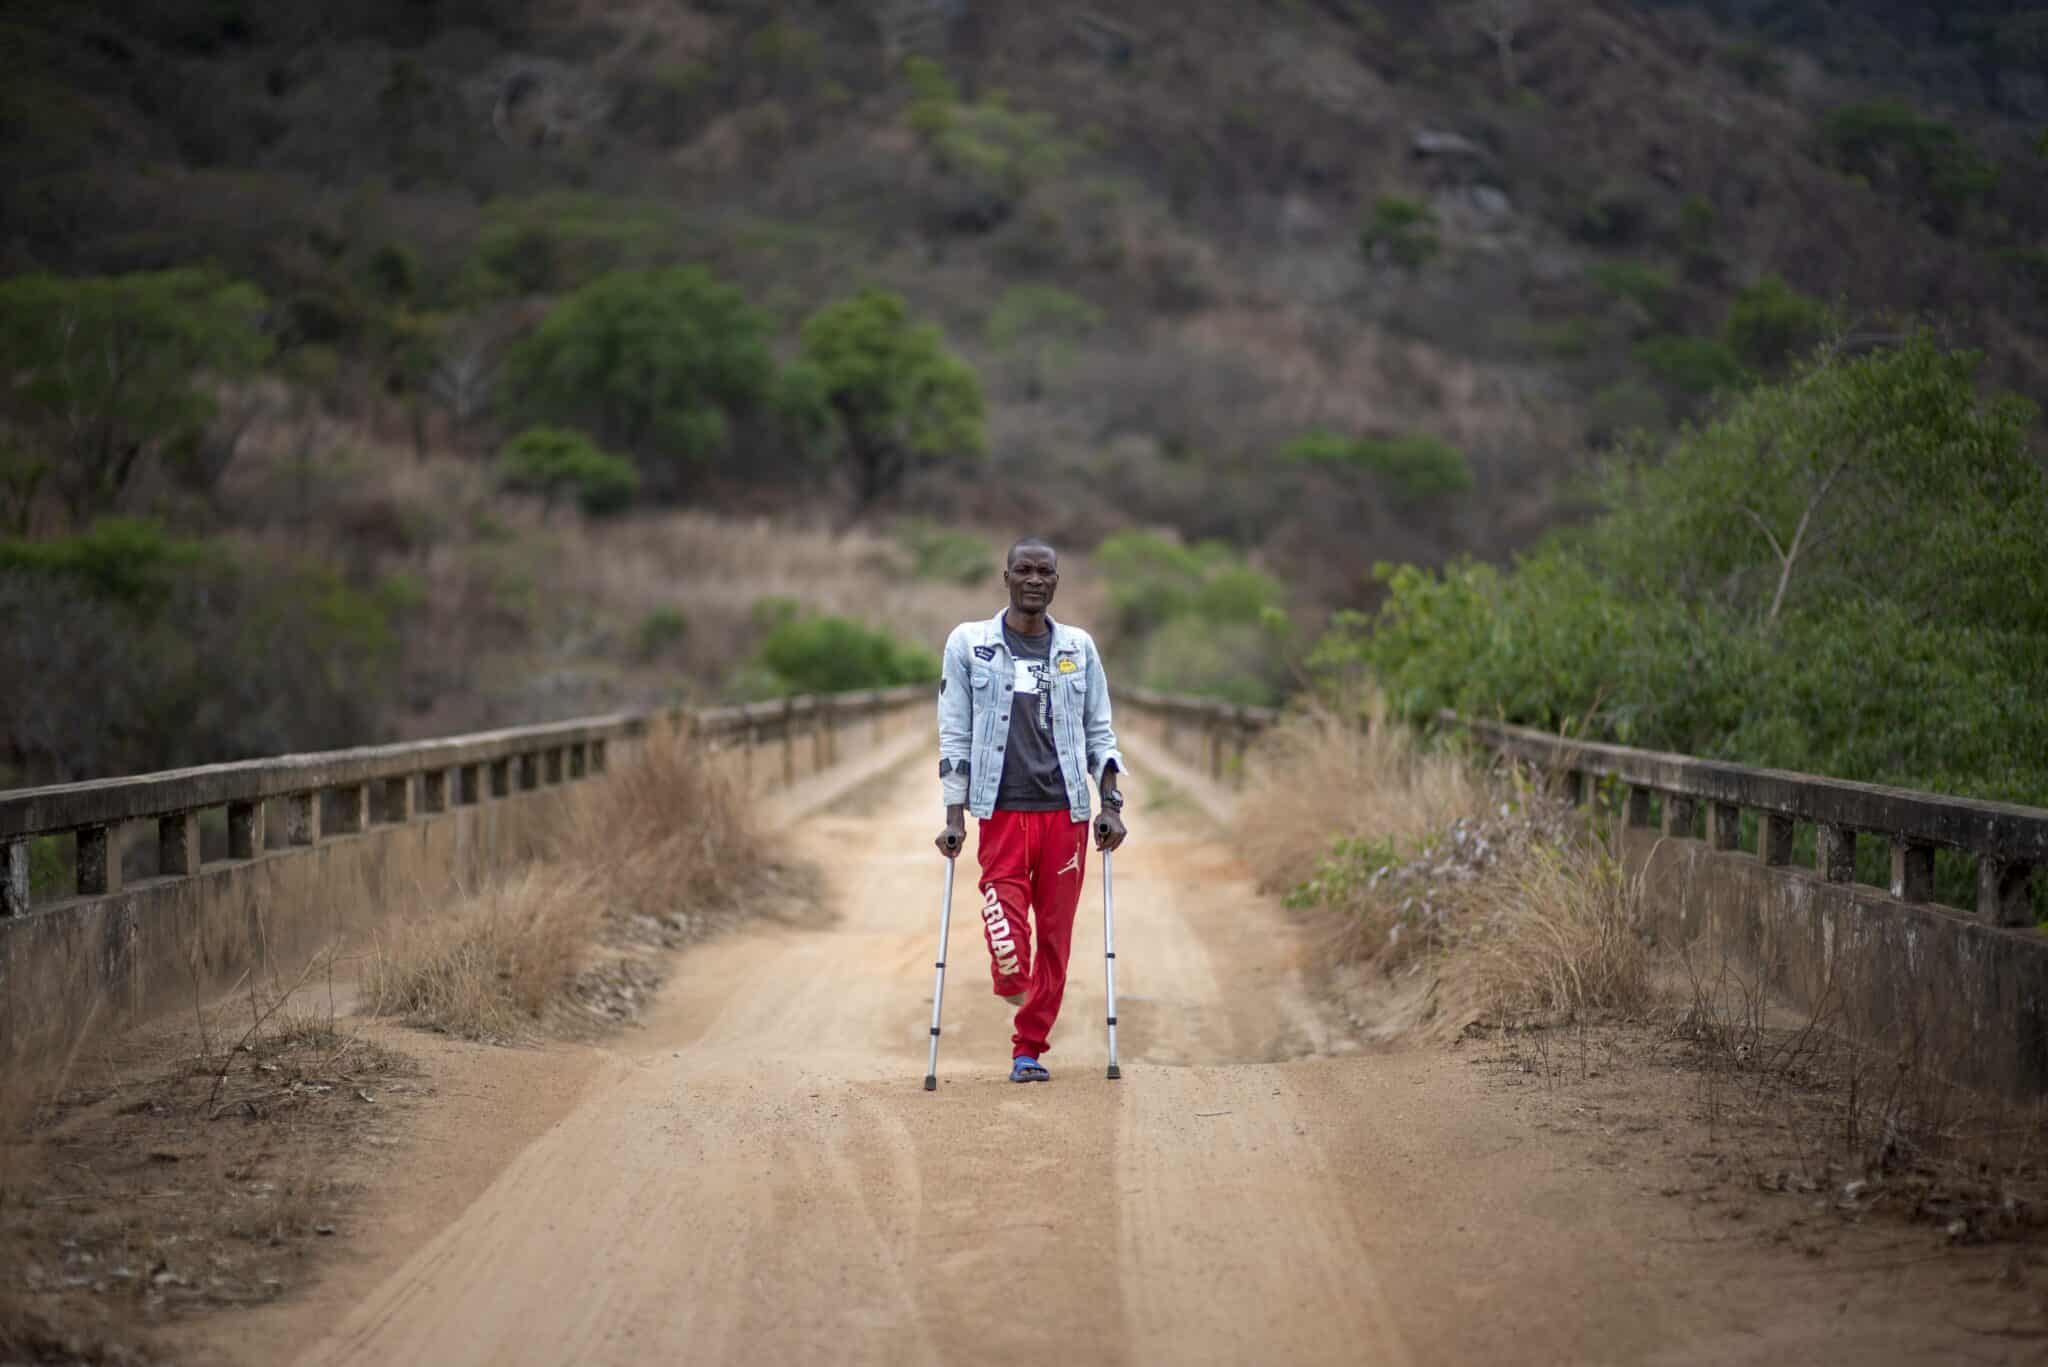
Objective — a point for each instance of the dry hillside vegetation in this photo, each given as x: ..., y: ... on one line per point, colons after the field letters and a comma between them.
x: 509, y: 612
x: 1170, y: 239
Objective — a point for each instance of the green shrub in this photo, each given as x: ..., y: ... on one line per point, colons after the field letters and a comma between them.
x: 1038, y: 326
x: 130, y: 650
x: 1401, y: 229
x: 655, y: 362
x: 555, y: 463
x: 1650, y: 288
x: 832, y: 655
x: 1413, y: 467
x: 660, y: 631
x: 1235, y: 661
x: 1771, y: 323
x: 1154, y: 578
x: 1890, y: 143
x: 1692, y: 365
x: 990, y: 154
x: 942, y: 554
x: 123, y: 560
x: 541, y: 244
x: 1197, y: 619
x: 1623, y: 409
x: 1569, y: 339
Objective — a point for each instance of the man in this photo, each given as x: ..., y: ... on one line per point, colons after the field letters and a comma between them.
x: 1023, y: 725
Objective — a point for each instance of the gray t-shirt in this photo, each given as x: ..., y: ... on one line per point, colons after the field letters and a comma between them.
x: 1032, y: 781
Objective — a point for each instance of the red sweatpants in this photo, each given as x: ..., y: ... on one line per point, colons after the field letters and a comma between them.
x: 1031, y: 867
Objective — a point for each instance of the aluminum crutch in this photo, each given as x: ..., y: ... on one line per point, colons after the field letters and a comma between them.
x: 931, y: 1067
x: 1109, y: 961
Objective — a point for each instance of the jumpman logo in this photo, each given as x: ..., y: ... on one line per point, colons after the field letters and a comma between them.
x: 1073, y: 865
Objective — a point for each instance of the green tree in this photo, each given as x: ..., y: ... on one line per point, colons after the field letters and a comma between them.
x: 555, y: 463
x: 107, y: 373
x: 1038, y: 325
x: 655, y: 362
x: 886, y: 388
x: 1788, y: 586
x: 1770, y: 323
x: 988, y: 155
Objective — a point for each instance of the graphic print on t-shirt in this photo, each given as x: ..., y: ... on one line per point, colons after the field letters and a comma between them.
x: 1032, y: 678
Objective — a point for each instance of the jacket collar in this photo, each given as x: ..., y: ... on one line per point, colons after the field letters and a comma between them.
x: 992, y: 630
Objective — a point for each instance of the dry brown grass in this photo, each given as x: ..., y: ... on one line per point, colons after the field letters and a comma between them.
x: 522, y: 615
x: 662, y: 839
x: 1351, y: 771
x: 1555, y: 930
x: 1412, y: 856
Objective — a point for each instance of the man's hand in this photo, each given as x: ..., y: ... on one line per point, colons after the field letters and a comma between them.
x: 951, y: 841
x: 1109, y: 830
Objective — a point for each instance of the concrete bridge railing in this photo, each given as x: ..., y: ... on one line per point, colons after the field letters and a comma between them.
x: 1968, y: 987
x: 178, y: 882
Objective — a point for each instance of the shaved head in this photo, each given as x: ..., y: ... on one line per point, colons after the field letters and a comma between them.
x: 1029, y: 543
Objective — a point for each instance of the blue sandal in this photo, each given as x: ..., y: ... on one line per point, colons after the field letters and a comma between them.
x: 1025, y: 1068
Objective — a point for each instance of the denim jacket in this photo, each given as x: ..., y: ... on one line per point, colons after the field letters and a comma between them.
x: 975, y: 683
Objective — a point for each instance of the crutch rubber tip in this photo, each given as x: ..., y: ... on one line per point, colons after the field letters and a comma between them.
x: 1115, y: 1072
x: 931, y: 1083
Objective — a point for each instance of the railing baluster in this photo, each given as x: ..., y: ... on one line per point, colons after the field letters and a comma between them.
x: 245, y: 829
x: 2002, y: 892
x: 302, y: 819
x: 14, y: 880
x: 1834, y: 855
x: 351, y: 808
x: 1681, y: 815
x: 1774, y: 832
x: 99, y: 860
x: 1724, y: 826
x: 395, y: 800
x: 1912, y: 871
x: 177, y: 844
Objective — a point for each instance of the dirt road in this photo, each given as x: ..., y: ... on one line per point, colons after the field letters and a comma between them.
x: 756, y: 1175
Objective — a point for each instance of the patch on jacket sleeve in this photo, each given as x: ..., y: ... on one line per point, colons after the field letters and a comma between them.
x: 953, y: 766
x: 985, y: 653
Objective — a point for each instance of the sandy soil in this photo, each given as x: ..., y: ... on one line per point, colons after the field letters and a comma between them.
x: 755, y: 1174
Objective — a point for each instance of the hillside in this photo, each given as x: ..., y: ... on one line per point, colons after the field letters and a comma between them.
x: 1336, y: 283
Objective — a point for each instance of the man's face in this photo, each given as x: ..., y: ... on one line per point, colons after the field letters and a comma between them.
x: 1032, y: 578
